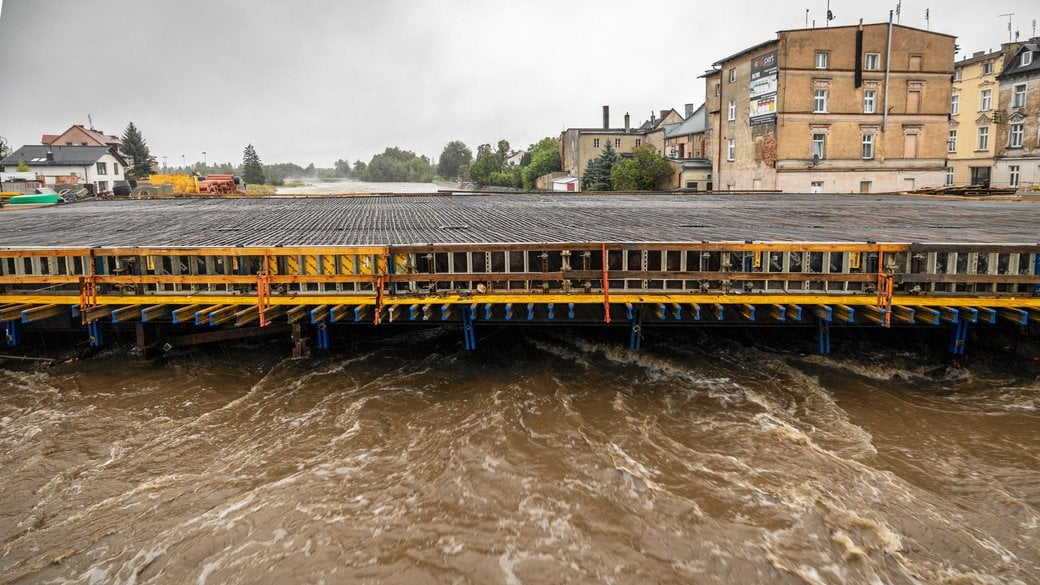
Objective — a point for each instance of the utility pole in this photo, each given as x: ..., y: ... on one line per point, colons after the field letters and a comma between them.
x: 807, y: 20
x: 1009, y: 15
x: 899, y: 10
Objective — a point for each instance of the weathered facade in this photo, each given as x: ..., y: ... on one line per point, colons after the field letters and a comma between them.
x: 1017, y: 159
x: 578, y: 146
x: 827, y: 110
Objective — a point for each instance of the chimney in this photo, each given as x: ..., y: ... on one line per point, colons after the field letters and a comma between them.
x: 628, y: 124
x: 50, y: 155
x: 606, y: 117
x: 664, y: 113
x: 689, y: 110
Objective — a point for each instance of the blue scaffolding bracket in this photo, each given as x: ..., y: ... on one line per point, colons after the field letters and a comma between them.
x: 635, y: 339
x: 469, y: 336
x: 323, y: 334
x: 959, y: 339
x: 94, y: 334
x: 1036, y: 271
x: 12, y: 333
x: 823, y: 335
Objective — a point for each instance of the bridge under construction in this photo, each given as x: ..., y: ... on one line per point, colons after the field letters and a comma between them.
x: 204, y: 269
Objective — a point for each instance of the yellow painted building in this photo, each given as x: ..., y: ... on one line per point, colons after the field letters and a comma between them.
x: 579, y: 146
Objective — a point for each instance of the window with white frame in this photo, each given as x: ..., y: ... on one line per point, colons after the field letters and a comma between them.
x: 595, y: 143
x: 819, y: 143
x: 868, y: 146
x: 821, y: 59
x: 617, y: 143
x: 949, y: 176
x: 1015, y: 175
x: 983, y: 142
x: 985, y: 100
x: 639, y: 142
x: 820, y: 101
x: 955, y: 105
x: 1017, y: 134
x: 869, y: 101
x: 731, y: 113
x: 731, y: 149
x: 951, y: 143
x: 718, y: 89
x: 102, y: 186
x: 872, y: 61
x: 957, y: 74
x: 987, y: 68
x: 115, y: 168
x: 1027, y: 58
x: 1018, y: 96
x: 733, y: 75
x: 102, y: 168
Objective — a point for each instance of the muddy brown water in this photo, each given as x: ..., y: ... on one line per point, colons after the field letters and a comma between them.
x: 545, y: 457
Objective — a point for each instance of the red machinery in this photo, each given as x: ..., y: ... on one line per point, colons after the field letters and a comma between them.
x: 218, y: 184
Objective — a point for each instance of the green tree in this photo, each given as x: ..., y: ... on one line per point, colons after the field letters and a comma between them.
x: 342, y: 168
x: 488, y: 162
x: 137, y: 151
x: 597, y: 175
x: 646, y: 170
x: 360, y: 171
x: 395, y: 165
x: 454, y: 157
x: 22, y: 167
x: 252, y: 168
x: 544, y: 158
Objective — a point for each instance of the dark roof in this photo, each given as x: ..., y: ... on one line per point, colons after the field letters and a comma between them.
x: 1014, y: 66
x: 36, y: 155
x: 745, y: 51
x: 695, y: 124
x: 976, y: 57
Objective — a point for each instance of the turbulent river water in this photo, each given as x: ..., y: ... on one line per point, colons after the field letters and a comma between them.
x: 544, y: 457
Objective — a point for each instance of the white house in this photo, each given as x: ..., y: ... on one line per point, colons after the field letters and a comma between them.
x: 62, y: 165
x: 514, y: 159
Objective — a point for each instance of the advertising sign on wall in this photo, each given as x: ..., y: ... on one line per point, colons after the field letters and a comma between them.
x: 763, y: 88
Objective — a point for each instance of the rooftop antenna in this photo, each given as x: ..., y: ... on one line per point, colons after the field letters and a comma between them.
x: 807, y: 19
x: 899, y: 10
x: 90, y: 122
x: 830, y: 15
x: 1009, y: 15
x: 927, y: 21
x: 1034, y: 27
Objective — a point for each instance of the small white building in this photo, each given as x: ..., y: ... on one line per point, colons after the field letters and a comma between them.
x: 62, y: 165
x: 565, y: 183
x: 515, y: 158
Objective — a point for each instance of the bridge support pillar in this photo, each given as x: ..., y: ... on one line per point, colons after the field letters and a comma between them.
x: 469, y: 336
x: 322, y: 341
x: 959, y: 338
x: 299, y: 341
x: 635, y: 338
x: 12, y: 333
x: 823, y: 335
x: 94, y: 334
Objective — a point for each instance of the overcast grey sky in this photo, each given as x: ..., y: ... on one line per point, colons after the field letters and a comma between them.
x: 311, y: 81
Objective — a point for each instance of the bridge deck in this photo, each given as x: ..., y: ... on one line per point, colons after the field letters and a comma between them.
x: 480, y: 219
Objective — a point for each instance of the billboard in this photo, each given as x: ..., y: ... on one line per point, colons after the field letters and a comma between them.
x: 764, y: 71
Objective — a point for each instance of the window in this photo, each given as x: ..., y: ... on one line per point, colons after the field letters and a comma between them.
x: 732, y: 111
x: 820, y: 101
x: 957, y: 74
x: 913, y: 101
x: 731, y: 149
x: 864, y: 186
x: 911, y: 145
x: 1015, y: 173
x: 1018, y: 96
x: 1027, y: 58
x: 102, y: 168
x: 115, y: 168
x: 639, y: 141
x: 951, y: 143
x: 987, y: 68
x: 869, y: 101
x: 595, y: 143
x: 818, y: 143
x: 868, y: 146
x: 916, y: 62
x: 733, y: 75
x: 102, y: 186
x: 718, y: 89
x: 985, y: 100
x: 983, y: 143
x: 949, y: 176
x: 617, y: 143
x: 821, y: 59
x: 955, y: 105
x: 872, y: 61
x: 1015, y: 138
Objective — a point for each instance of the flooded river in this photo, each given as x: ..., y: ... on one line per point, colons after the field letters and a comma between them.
x: 544, y: 457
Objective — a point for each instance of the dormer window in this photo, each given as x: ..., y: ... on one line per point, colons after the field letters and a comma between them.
x: 1027, y: 58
